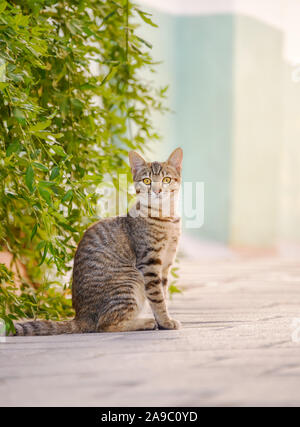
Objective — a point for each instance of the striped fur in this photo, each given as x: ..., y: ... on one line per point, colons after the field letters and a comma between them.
x: 122, y: 261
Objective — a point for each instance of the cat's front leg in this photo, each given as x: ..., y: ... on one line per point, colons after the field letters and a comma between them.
x: 168, y: 260
x: 152, y: 273
x: 165, y: 280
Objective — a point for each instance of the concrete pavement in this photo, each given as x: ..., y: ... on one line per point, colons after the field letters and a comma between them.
x: 237, y: 347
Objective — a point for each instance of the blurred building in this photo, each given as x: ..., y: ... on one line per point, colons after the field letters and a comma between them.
x: 234, y: 74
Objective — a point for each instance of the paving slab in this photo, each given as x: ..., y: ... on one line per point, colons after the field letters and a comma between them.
x: 238, y: 347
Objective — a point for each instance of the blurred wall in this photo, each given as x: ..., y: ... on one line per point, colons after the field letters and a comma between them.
x: 234, y: 74
x: 257, y: 133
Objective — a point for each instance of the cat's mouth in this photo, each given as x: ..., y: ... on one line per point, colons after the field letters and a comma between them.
x: 163, y: 195
x: 156, y: 195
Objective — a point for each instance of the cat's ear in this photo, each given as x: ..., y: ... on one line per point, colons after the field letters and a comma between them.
x: 175, y: 159
x: 136, y: 161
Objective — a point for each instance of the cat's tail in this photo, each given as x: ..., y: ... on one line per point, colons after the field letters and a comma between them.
x: 48, y: 327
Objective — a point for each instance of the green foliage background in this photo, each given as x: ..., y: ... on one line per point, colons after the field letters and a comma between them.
x: 62, y: 128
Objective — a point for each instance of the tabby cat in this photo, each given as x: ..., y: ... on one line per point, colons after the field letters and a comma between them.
x: 121, y: 261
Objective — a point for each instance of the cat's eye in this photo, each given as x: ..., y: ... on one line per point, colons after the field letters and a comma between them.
x: 147, y: 181
x: 167, y: 180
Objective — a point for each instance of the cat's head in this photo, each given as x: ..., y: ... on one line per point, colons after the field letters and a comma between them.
x: 156, y: 179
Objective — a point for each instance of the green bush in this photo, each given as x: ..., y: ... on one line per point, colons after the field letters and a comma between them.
x: 72, y: 103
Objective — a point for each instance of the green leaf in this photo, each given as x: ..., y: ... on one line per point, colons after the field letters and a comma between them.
x: 68, y: 196
x: 44, y: 254
x: 47, y: 184
x: 3, y: 5
x: 14, y: 147
x: 174, y: 290
x: 46, y: 195
x: 34, y: 230
x: 59, y: 150
x: 41, y: 245
x: 144, y: 42
x: 19, y: 115
x: 54, y: 173
x: 29, y: 178
x: 109, y: 75
x: 2, y: 74
x: 109, y: 15
x: 3, y: 85
x: 145, y: 18
x: 40, y: 166
x: 58, y: 141
x: 88, y: 86
x: 77, y: 103
x: 39, y: 126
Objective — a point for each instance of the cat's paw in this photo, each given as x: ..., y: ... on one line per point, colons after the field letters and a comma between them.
x: 150, y: 324
x: 145, y: 324
x: 169, y: 324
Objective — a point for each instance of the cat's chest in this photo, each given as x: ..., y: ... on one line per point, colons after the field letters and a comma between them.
x: 163, y: 239
x: 154, y: 240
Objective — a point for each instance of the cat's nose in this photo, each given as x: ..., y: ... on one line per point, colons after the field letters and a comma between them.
x: 157, y: 190
x: 156, y: 187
